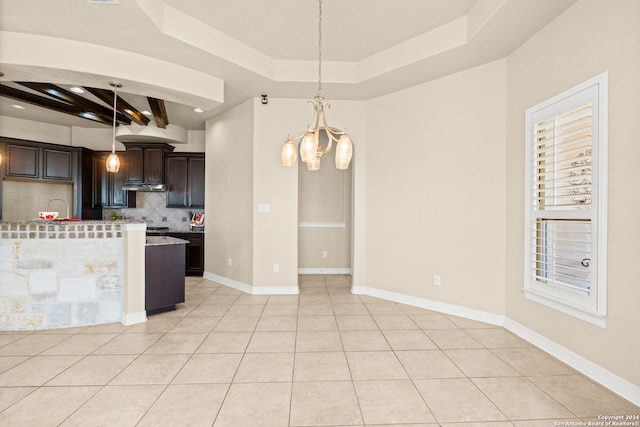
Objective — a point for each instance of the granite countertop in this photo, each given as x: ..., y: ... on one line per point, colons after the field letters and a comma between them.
x: 160, y: 232
x: 164, y: 240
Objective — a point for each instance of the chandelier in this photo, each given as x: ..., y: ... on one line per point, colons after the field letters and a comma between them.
x: 310, y: 150
x: 113, y: 162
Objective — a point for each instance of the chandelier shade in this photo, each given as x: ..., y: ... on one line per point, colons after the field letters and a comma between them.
x: 310, y: 149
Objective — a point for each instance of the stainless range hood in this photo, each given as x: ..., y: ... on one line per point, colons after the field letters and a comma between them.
x: 144, y: 187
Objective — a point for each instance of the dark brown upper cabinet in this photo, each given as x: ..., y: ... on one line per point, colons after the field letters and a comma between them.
x: 33, y: 160
x: 185, y: 180
x: 145, y: 164
x: 107, y: 187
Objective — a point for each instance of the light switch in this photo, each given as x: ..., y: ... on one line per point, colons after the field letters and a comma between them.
x: 264, y: 208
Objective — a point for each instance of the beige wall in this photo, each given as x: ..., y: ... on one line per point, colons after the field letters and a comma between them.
x: 436, y: 189
x: 591, y: 37
x: 229, y: 195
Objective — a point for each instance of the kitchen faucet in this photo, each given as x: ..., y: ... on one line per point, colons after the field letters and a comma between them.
x: 46, y: 208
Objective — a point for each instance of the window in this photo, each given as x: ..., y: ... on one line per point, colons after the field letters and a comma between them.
x: 566, y: 216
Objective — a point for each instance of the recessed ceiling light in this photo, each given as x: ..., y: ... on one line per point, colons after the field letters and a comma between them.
x: 198, y: 110
x: 146, y: 113
x: 77, y: 89
x: 19, y: 107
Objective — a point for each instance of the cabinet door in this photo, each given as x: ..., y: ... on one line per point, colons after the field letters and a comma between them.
x: 194, y: 263
x: 134, y: 173
x: 196, y: 182
x: 107, y: 187
x: 154, y: 165
x: 22, y: 161
x: 58, y: 165
x: 177, y: 181
x: 100, y: 181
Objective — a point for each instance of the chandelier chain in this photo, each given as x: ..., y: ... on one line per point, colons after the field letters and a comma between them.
x: 320, y: 48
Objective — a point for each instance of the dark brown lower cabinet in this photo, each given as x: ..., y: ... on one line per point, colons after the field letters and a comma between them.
x: 194, y: 257
x: 164, y: 277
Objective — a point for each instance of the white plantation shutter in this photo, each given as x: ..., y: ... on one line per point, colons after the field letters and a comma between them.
x: 566, y: 172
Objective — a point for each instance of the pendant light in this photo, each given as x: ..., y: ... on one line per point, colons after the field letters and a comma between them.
x: 310, y: 151
x: 113, y: 162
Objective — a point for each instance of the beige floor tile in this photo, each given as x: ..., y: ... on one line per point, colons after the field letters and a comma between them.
x: 178, y: 343
x: 115, y: 406
x: 337, y: 280
x: 210, y: 310
x: 531, y: 361
x: 551, y: 422
x: 46, y: 406
x: 8, y: 338
x: 324, y: 403
x: 245, y: 310
x: 452, y: 339
x: 186, y: 405
x: 225, y: 342
x: 394, y: 322
x: 195, y: 324
x: 36, y: 370
x: 226, y: 291
x: 33, y: 344
x: 409, y: 340
x: 108, y: 328
x: 80, y: 344
x: 480, y: 363
x: 520, y: 399
x: 8, y: 362
x: 265, y: 367
x: 283, y: 299
x: 314, y: 299
x: 272, y: 342
x: 221, y: 299
x: 364, y: 341
x: 425, y: 364
x: 383, y: 308
x: 255, y: 404
x: 318, y: 341
x: 488, y: 424
x: 93, y: 370
x: 237, y: 324
x: 11, y: 395
x: 457, y: 400
x: 344, y: 298
x: 356, y: 323
x: 314, y: 291
x: 280, y: 310
x: 375, y: 365
x: 129, y: 344
x: 208, y: 368
x: 315, y: 310
x: 277, y: 323
x: 151, y: 369
x: 433, y: 321
x: 154, y: 325
x: 583, y: 397
x: 409, y: 309
x: 463, y: 323
x: 350, y: 309
x: 497, y: 338
x: 317, y: 323
x: 324, y: 366
x: 386, y: 402
x: 253, y: 299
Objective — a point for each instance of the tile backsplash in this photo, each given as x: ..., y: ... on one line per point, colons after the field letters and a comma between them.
x: 151, y: 207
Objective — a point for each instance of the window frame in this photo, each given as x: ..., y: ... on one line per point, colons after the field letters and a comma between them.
x: 592, y: 309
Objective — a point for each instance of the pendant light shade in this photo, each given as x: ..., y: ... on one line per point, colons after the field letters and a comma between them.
x: 314, y: 164
x: 344, y: 151
x: 113, y: 162
x: 308, y: 148
x: 289, y: 153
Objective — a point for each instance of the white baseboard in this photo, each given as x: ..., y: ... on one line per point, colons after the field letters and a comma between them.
x: 608, y: 379
x: 324, y: 271
x: 134, y: 318
x: 250, y: 289
x: 455, y: 310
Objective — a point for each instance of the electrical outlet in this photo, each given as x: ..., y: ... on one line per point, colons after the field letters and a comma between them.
x: 276, y: 268
x: 436, y: 280
x: 324, y: 254
x: 229, y: 262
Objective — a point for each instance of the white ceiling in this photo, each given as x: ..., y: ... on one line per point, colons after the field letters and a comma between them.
x: 370, y: 47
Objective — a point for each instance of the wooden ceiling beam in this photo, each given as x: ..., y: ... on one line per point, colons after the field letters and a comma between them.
x: 122, y: 106
x: 159, y: 112
x: 52, y: 104
x: 76, y: 100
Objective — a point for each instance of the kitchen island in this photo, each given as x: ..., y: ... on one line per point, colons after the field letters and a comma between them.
x: 164, y: 278
x: 56, y: 274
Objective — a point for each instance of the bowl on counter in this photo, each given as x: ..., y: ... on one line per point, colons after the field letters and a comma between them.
x: 48, y: 215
